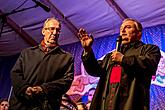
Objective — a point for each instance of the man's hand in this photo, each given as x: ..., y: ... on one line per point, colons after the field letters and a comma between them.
x: 33, y: 90
x: 29, y: 91
x: 117, y: 57
x: 37, y: 89
x: 85, y: 39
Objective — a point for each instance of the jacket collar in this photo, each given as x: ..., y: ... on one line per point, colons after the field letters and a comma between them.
x: 135, y: 44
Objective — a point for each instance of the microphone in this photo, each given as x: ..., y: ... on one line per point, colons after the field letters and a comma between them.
x: 46, y: 8
x: 118, y: 43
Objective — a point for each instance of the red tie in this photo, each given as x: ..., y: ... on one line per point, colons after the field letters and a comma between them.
x: 115, y: 74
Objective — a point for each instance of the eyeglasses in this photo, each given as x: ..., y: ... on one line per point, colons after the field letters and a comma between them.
x: 52, y: 29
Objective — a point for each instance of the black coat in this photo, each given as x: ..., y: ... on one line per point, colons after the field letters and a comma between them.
x: 52, y: 71
x: 132, y: 93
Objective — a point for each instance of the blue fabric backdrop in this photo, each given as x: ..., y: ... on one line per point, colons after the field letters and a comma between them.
x: 153, y: 35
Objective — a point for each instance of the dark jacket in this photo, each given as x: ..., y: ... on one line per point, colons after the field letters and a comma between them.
x: 132, y: 93
x: 52, y: 71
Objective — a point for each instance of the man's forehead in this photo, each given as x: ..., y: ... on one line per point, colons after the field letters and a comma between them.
x: 4, y: 102
x: 128, y: 23
x: 52, y: 22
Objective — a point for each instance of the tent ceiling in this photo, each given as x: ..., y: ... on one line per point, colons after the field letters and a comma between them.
x: 99, y: 17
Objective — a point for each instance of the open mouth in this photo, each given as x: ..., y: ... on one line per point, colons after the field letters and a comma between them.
x: 124, y: 34
x: 124, y: 39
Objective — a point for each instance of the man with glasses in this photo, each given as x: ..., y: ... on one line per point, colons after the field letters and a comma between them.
x: 42, y: 74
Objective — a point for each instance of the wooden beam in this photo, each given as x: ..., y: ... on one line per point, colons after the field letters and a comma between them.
x: 55, y: 11
x: 117, y: 9
x: 19, y: 30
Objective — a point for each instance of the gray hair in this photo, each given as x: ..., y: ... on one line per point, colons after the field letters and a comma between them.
x: 137, y: 23
x: 49, y: 19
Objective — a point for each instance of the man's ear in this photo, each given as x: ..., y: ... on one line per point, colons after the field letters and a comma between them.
x: 139, y: 35
x: 43, y: 31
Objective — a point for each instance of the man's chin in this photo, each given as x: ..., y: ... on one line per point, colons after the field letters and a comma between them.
x: 125, y: 42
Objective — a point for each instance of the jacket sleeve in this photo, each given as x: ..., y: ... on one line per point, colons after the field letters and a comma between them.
x: 93, y: 66
x: 17, y: 77
x: 146, y: 62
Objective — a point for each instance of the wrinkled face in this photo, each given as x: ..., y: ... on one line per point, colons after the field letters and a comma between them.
x: 4, y: 105
x: 129, y: 32
x: 51, y: 31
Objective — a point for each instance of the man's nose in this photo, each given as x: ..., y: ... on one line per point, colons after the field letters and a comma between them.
x: 123, y: 30
x: 54, y: 31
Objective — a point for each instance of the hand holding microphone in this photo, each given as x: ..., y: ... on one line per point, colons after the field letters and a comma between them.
x: 117, y: 56
x: 118, y: 43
